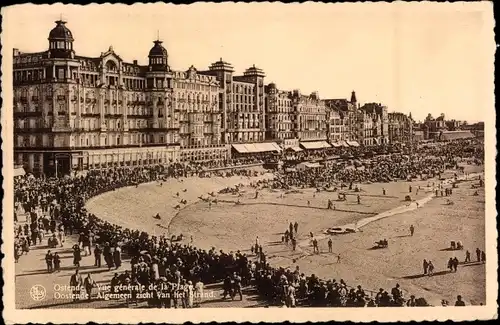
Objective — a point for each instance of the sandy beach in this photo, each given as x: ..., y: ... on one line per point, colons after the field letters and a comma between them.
x: 232, y: 227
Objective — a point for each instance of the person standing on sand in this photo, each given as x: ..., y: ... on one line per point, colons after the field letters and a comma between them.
x: 97, y: 255
x: 478, y: 254
x: 431, y: 268
x: 330, y: 245
x: 412, y: 230
x: 76, y: 255
x: 48, y: 260
x: 75, y: 283
x: 450, y: 264
x: 338, y: 258
x: 467, y: 256
x: 57, y: 262
x: 483, y: 257
x: 459, y: 302
x: 315, y: 246
x: 426, y: 266
x: 455, y: 264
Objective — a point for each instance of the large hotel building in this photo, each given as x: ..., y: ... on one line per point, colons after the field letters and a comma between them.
x: 77, y: 113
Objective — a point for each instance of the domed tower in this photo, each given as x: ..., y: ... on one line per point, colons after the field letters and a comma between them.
x: 61, y: 41
x: 158, y: 57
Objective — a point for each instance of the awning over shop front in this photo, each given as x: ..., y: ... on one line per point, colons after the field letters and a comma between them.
x: 306, y: 165
x: 336, y: 144
x: 240, y: 148
x: 455, y: 135
x: 256, y: 147
x: 315, y: 145
x: 295, y: 149
x: 19, y: 171
x: 353, y: 143
x: 344, y: 144
x: 268, y: 146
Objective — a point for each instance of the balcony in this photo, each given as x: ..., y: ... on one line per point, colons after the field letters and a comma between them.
x: 27, y: 114
x: 32, y: 130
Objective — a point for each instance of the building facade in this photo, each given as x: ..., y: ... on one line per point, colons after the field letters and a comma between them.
x: 348, y: 111
x: 310, y: 117
x: 280, y: 116
x: 74, y: 113
x: 335, y: 125
x: 372, y: 124
x: 432, y: 127
x: 400, y: 127
x: 295, y: 117
x: 242, y: 103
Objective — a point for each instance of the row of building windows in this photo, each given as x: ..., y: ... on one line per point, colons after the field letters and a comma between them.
x: 27, y: 59
x: 61, y: 45
x: 245, y: 136
x: 190, y: 96
x: 194, y: 86
x: 29, y: 75
x: 158, y: 61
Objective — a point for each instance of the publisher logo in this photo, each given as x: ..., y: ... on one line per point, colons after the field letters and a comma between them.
x: 38, y: 292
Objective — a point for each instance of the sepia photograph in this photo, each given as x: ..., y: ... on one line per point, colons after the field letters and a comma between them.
x: 183, y: 163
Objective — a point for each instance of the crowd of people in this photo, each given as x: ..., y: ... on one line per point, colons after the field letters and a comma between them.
x: 423, y: 163
x: 56, y: 209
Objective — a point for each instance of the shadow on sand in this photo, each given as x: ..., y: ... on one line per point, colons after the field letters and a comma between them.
x: 418, y: 276
x: 376, y: 247
x: 449, y: 249
x: 471, y: 264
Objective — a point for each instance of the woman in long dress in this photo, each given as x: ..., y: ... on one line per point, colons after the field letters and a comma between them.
x: 198, y: 289
x: 76, y: 255
x: 189, y: 295
x: 117, y: 257
x: 155, y: 270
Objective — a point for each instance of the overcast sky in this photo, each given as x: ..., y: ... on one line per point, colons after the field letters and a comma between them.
x: 411, y: 57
